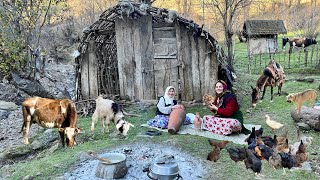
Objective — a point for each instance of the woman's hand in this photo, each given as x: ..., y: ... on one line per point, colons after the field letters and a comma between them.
x: 212, y: 107
x: 177, y: 106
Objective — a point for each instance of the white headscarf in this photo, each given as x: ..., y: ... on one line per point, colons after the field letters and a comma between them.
x: 167, y: 99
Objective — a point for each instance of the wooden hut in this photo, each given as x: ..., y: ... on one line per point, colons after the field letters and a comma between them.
x: 136, y: 50
x: 262, y: 35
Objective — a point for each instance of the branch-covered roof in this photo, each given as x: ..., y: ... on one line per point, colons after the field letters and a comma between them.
x: 106, y: 23
x: 263, y: 27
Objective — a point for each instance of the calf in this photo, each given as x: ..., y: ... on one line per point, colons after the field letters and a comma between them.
x: 108, y: 111
x: 51, y: 113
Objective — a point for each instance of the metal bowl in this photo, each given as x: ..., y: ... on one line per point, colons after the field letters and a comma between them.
x: 165, y: 168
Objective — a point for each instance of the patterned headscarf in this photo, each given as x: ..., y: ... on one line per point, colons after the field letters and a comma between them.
x: 225, y: 87
x: 168, y: 100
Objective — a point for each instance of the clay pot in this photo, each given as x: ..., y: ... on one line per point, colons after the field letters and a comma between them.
x: 116, y: 169
x: 176, y: 120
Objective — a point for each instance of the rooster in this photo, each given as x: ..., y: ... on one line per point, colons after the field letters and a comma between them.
x: 273, y: 124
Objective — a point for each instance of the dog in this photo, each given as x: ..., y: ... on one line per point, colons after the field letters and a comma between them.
x: 107, y: 110
x: 301, y: 97
x: 208, y: 99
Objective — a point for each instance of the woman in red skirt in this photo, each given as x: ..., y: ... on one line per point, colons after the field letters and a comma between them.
x: 227, y: 116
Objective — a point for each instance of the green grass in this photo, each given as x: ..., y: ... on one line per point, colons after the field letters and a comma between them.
x: 63, y: 160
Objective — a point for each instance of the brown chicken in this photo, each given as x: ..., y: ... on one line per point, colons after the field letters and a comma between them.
x: 214, y: 155
x: 282, y: 138
x: 284, y: 147
x: 301, y: 155
x: 220, y: 144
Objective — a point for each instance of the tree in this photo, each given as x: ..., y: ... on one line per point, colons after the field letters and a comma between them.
x: 21, y: 23
x: 228, y: 11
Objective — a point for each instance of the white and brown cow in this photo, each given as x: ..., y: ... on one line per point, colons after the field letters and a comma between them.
x: 107, y: 110
x: 51, y: 113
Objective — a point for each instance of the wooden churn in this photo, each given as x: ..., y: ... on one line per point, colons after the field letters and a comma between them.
x: 176, y: 119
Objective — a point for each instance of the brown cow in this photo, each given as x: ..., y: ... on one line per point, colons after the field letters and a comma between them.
x: 51, y: 113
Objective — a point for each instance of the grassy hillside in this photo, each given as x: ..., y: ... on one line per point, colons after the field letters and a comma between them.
x: 62, y: 160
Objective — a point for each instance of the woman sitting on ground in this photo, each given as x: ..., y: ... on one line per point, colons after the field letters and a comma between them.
x: 165, y: 106
x: 227, y: 116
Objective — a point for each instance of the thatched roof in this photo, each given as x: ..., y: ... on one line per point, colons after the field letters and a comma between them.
x: 106, y: 23
x: 263, y: 27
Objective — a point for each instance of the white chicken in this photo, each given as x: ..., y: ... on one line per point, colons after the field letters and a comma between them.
x: 273, y: 124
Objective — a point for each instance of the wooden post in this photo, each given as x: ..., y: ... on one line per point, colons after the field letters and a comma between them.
x: 299, y: 58
x: 289, y: 60
x: 306, y: 58
x: 311, y: 60
x: 249, y: 62
x: 318, y: 57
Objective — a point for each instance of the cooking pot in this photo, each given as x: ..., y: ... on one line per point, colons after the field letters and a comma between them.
x: 114, y: 169
x: 164, y: 171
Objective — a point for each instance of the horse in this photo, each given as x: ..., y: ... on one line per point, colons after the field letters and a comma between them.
x: 298, y: 42
x: 273, y: 75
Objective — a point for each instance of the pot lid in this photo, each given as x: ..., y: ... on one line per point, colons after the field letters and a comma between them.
x: 170, y: 168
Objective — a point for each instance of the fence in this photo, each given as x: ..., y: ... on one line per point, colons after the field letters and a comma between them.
x: 299, y: 58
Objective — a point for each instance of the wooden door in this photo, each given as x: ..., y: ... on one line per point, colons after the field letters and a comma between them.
x: 166, y: 64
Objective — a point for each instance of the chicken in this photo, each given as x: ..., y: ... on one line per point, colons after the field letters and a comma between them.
x: 282, y: 138
x: 284, y: 147
x: 259, y: 132
x: 301, y: 155
x: 214, y: 155
x: 271, y: 142
x: 220, y: 144
x: 273, y: 124
x: 252, y: 136
x: 294, y: 147
x: 287, y: 160
x: 252, y: 162
x: 275, y: 160
x: 266, y: 151
x: 237, y: 154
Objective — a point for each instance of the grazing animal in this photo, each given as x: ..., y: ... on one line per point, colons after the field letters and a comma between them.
x: 273, y: 124
x: 107, y: 110
x: 273, y: 75
x: 298, y: 42
x: 294, y: 147
x: 51, y: 113
x: 299, y: 98
x: 284, y: 147
x: 252, y: 136
x: 269, y: 141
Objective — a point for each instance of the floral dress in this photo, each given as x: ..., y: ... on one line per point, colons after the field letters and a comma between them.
x: 224, y: 122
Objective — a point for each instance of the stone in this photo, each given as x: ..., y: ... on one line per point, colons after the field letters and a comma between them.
x: 303, y: 126
x: 309, y: 116
x: 8, y: 106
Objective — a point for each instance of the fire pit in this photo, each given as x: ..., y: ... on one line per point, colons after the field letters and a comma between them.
x: 117, y: 168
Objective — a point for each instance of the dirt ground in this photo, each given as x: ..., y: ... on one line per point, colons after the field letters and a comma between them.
x: 142, y: 155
